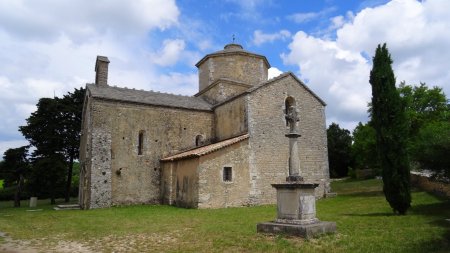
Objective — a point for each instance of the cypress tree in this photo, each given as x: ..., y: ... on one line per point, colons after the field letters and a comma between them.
x: 390, y: 123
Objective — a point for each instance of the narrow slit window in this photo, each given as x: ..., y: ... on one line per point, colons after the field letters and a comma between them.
x: 227, y: 174
x: 198, y: 140
x: 141, y: 142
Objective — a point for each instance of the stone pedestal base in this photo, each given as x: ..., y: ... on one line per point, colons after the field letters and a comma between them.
x: 296, y: 212
x: 303, y: 230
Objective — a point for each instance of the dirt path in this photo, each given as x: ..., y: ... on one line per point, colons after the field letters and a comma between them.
x: 10, y: 245
x: 126, y: 243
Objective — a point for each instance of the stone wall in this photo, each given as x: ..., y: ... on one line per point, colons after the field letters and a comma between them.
x: 230, y: 119
x: 100, y: 169
x: 222, y: 90
x: 179, y: 183
x: 132, y: 178
x: 95, y: 157
x: 427, y: 184
x: 213, y: 192
x: 238, y: 67
x: 269, y: 148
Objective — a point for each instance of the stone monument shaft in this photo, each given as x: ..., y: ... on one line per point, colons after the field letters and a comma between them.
x: 294, y: 159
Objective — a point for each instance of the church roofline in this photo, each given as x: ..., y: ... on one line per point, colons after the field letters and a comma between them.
x: 200, y: 151
x: 148, y: 98
x: 268, y: 82
x: 284, y: 75
x: 222, y: 80
x: 232, y: 49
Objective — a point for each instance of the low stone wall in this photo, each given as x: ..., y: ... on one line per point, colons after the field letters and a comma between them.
x: 427, y: 184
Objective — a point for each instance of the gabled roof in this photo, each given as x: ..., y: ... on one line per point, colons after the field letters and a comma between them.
x: 197, y: 152
x: 148, y: 97
x: 269, y: 82
x: 284, y: 75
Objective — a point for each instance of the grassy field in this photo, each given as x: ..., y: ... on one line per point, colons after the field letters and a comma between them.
x: 364, y: 220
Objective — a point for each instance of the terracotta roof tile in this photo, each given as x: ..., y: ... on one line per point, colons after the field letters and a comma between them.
x: 197, y: 152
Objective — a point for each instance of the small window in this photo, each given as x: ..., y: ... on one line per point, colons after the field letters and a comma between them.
x: 199, y: 140
x: 227, y: 174
x: 141, y: 142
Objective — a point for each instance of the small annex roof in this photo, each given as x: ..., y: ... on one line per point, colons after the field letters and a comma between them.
x: 231, y: 49
x: 197, y: 152
x: 148, y: 97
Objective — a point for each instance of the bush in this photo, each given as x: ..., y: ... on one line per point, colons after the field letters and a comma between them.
x: 8, y: 194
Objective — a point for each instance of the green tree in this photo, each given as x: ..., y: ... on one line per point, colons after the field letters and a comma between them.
x: 390, y: 123
x: 432, y: 148
x: 54, y: 129
x: 364, y: 148
x: 13, y: 169
x: 71, y: 108
x: 428, y: 112
x: 339, y: 150
x: 424, y: 105
x: 47, y: 177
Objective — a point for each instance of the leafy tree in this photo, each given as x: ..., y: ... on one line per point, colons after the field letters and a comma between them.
x: 432, y: 149
x: 390, y: 123
x: 71, y: 108
x: 47, y: 177
x: 339, y: 150
x: 14, y: 167
x: 54, y: 129
x: 364, y: 148
x: 428, y: 112
x: 424, y: 105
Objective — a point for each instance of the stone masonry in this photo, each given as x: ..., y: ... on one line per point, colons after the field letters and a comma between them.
x: 222, y: 147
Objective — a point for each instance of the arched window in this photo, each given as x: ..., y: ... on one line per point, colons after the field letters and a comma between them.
x: 288, y: 102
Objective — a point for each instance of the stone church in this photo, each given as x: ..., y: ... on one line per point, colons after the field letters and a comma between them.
x: 222, y: 147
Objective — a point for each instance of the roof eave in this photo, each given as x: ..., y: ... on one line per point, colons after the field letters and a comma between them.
x: 220, y: 53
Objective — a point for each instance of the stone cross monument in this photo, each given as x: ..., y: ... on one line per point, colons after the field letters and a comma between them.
x: 296, y: 201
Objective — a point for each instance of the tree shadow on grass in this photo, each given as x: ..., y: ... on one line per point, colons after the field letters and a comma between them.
x: 364, y: 194
x: 440, y: 210
x: 434, y: 209
x: 370, y: 214
x: 441, y: 244
x: 441, y: 213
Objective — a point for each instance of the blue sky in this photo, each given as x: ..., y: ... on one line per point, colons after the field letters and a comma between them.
x: 49, y: 47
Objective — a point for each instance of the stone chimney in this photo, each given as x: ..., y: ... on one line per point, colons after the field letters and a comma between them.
x: 101, y: 71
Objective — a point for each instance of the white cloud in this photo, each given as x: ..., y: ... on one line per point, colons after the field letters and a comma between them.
x: 47, y: 19
x: 177, y: 83
x: 274, y: 72
x: 260, y: 38
x: 304, y: 17
x: 338, y: 70
x: 49, y: 48
x: 5, y: 145
x: 170, y: 53
x: 339, y: 76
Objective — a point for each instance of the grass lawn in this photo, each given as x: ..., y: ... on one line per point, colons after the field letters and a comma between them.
x: 364, y: 220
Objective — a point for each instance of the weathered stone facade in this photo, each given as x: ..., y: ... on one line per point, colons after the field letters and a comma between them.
x: 222, y: 147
